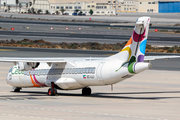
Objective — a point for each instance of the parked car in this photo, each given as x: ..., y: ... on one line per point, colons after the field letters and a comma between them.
x: 65, y: 13
x: 74, y: 13
x: 81, y: 14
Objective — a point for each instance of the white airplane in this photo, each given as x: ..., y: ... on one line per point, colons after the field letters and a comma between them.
x: 80, y: 73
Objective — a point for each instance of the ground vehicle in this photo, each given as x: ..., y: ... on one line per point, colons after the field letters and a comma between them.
x: 74, y: 13
x: 65, y: 13
x: 81, y: 14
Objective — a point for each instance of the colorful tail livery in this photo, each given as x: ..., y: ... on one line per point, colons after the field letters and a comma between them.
x: 134, y: 50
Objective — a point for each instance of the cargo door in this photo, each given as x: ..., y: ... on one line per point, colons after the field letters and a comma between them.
x: 99, y: 71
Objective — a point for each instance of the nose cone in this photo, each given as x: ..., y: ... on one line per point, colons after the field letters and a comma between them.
x: 8, y: 78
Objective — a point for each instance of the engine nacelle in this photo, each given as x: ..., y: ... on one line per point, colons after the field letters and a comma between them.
x: 25, y: 66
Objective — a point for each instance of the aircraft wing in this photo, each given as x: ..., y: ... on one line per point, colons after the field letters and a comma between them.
x: 18, y: 59
x: 48, y: 59
x: 64, y: 60
x: 149, y: 58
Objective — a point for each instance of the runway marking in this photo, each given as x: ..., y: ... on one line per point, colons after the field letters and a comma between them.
x: 7, y: 50
x: 104, y: 114
x: 30, y: 117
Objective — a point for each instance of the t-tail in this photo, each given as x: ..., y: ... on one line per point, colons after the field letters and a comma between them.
x: 133, y: 53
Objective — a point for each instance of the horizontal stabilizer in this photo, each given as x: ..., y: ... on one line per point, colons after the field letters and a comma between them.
x: 148, y: 58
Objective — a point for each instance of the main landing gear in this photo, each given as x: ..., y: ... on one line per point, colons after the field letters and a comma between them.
x: 52, y: 91
x: 17, y: 89
x: 86, y: 91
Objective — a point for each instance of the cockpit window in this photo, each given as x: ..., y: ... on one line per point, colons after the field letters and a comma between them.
x: 11, y: 69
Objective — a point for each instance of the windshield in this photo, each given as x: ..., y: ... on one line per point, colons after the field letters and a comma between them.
x: 10, y: 69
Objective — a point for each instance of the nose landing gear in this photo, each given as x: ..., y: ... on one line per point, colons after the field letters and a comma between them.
x: 52, y: 91
x: 17, y: 89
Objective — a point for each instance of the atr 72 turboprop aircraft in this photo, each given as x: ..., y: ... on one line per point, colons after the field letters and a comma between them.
x: 80, y: 73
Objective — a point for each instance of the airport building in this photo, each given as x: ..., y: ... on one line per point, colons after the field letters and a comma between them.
x: 158, y: 6
x: 11, y: 4
x: 99, y: 7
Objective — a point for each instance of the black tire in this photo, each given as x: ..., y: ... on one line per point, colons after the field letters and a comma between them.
x: 54, y: 91
x: 86, y: 91
x: 17, y: 89
x: 50, y: 92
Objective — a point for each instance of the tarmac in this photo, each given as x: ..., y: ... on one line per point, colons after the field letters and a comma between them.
x: 157, y: 18
x: 78, y: 33
x: 151, y: 95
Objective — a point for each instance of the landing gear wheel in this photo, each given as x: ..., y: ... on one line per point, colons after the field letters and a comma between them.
x: 50, y: 92
x: 86, y: 91
x: 17, y: 89
x: 54, y: 91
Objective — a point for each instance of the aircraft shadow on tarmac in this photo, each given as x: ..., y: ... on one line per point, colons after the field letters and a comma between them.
x: 32, y: 95
x: 40, y: 95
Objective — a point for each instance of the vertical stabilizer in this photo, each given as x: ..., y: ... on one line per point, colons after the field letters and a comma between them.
x: 134, y: 50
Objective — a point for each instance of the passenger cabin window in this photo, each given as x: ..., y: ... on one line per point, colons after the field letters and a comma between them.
x: 33, y: 72
x: 84, y: 71
x: 39, y: 72
x: 67, y: 70
x: 59, y: 71
x: 56, y: 71
x: 28, y: 73
x: 87, y: 70
x: 63, y: 71
x: 25, y: 72
x: 47, y: 71
x: 44, y: 71
x: 93, y: 70
x: 70, y: 71
x: 90, y: 70
x: 52, y: 71
x: 76, y: 71
x: 79, y: 71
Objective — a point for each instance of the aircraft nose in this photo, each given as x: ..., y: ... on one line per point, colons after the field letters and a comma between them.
x: 8, y: 77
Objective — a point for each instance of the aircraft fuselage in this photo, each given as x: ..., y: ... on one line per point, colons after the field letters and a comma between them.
x: 81, y: 74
